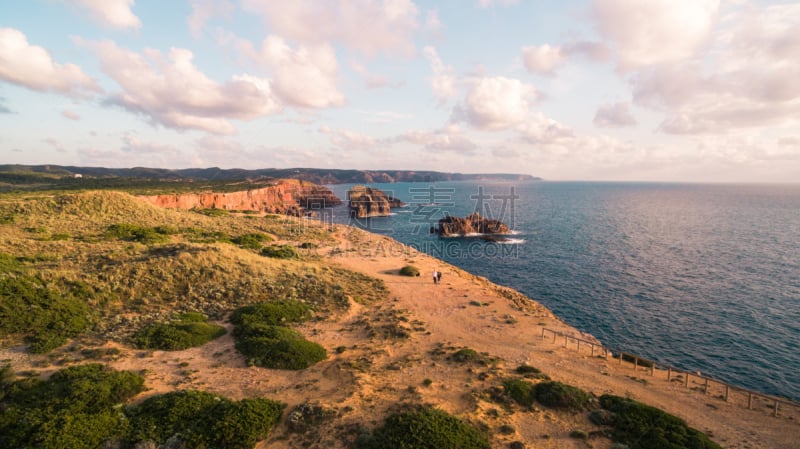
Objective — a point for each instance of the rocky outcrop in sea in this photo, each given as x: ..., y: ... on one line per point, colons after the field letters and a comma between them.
x: 473, y: 224
x: 370, y: 202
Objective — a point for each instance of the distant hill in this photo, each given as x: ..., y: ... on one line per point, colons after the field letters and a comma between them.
x: 21, y: 174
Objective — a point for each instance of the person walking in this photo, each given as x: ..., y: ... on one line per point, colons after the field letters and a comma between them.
x: 439, y: 277
x: 435, y: 277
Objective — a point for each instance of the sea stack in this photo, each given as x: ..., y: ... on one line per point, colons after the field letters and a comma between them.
x: 370, y: 202
x: 474, y: 223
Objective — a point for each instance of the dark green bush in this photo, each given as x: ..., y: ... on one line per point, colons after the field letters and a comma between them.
x: 74, y: 408
x: 276, y: 347
x: 48, y: 317
x: 522, y: 392
x: 192, y: 317
x: 466, y: 355
x: 531, y: 372
x: 280, y: 252
x: 641, y: 426
x: 251, y: 241
x: 558, y: 395
x: 212, y: 212
x: 424, y: 428
x: 275, y: 313
x: 202, y: 420
x: 409, y: 270
x: 177, y: 336
x: 141, y: 234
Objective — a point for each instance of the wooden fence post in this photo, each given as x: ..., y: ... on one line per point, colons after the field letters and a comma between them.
x: 776, y: 408
x: 749, y: 400
x: 636, y: 363
x: 705, y: 388
x: 686, y: 381
x: 669, y: 374
x: 727, y: 392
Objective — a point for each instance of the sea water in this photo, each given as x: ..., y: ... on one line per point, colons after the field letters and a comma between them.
x: 700, y: 277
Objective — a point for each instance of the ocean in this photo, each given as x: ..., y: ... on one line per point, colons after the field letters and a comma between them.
x: 700, y: 277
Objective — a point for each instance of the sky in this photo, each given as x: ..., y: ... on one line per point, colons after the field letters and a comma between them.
x: 630, y: 90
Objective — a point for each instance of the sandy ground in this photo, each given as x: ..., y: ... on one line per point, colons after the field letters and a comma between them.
x: 370, y: 371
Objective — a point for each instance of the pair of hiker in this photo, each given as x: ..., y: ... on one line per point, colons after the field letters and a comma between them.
x: 437, y: 276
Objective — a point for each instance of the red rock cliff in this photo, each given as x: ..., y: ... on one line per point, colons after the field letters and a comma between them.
x: 370, y: 202
x: 287, y: 196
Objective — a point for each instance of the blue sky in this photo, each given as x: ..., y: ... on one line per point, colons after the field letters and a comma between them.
x: 654, y: 90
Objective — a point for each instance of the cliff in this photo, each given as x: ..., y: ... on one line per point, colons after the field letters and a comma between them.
x: 474, y: 223
x: 369, y: 202
x: 286, y: 196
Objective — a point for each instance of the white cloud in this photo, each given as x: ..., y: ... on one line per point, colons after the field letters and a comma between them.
x: 488, y: 3
x: 450, y: 138
x: 543, y: 59
x: 650, y: 32
x: 614, y: 115
x: 369, y: 26
x: 32, y: 67
x: 443, y: 83
x: 205, y: 10
x: 112, y: 13
x: 749, y: 77
x: 72, y: 115
x: 173, y: 92
x: 349, y: 140
x: 496, y: 103
x: 541, y: 130
x: 305, y: 77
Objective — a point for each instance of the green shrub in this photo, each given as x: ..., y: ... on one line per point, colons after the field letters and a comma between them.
x: 74, y: 408
x: 274, y: 313
x: 466, y: 355
x: 638, y: 361
x: 280, y: 252
x: 424, y: 428
x: 558, y: 395
x: 531, y: 372
x: 212, y: 212
x: 192, y: 317
x: 579, y: 434
x: 522, y: 392
x: 276, y: 347
x: 177, y: 336
x: 48, y: 317
x: 202, y: 420
x: 141, y: 234
x: 641, y: 426
x: 251, y: 241
x: 409, y: 270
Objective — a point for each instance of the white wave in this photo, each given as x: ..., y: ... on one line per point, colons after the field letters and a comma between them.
x: 511, y: 241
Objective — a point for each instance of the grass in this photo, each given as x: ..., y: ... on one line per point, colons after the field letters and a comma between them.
x: 424, y: 428
x: 280, y: 252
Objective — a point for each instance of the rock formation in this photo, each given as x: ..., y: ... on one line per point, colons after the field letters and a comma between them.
x: 471, y: 224
x: 369, y: 202
x: 286, y: 196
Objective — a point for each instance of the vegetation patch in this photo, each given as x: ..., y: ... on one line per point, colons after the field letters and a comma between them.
x: 189, y: 331
x: 409, y: 270
x: 212, y: 212
x: 198, y: 420
x: 74, y: 408
x: 251, y: 241
x: 467, y: 355
x: 531, y: 372
x: 563, y: 396
x: 141, y: 234
x: 641, y: 426
x: 424, y: 428
x: 48, y: 317
x: 522, y: 392
x: 280, y: 252
x: 262, y: 338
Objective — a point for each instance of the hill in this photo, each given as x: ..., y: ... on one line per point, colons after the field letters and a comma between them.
x: 86, y: 275
x: 36, y: 174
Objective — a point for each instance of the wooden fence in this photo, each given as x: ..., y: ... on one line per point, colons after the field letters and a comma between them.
x: 708, y: 385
